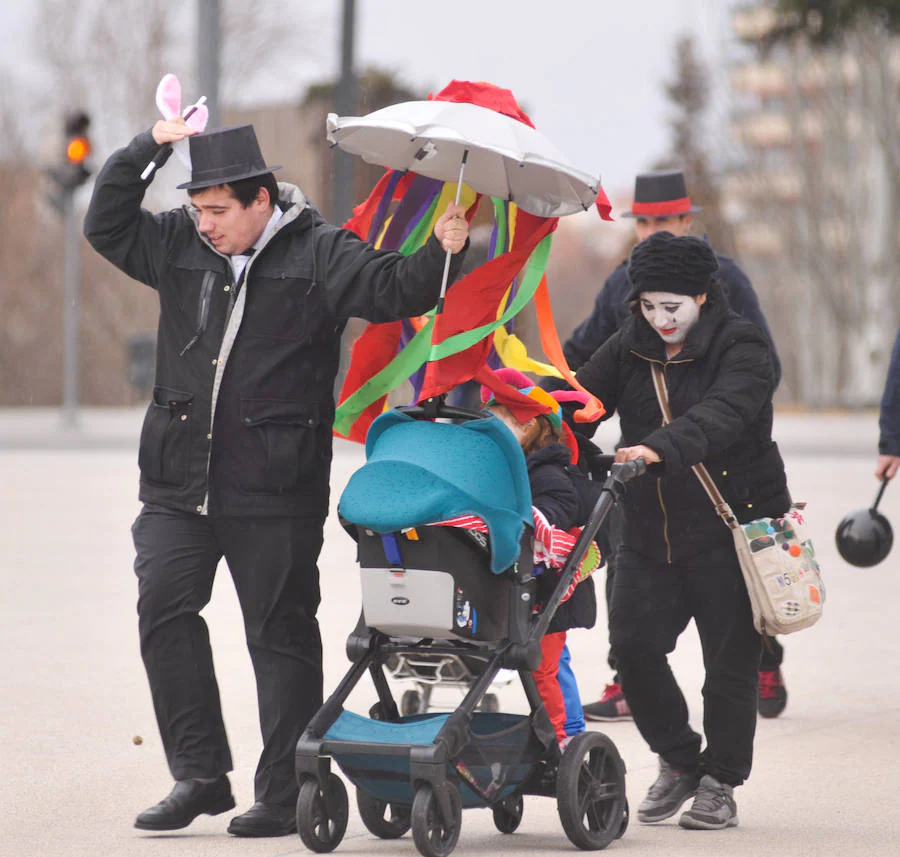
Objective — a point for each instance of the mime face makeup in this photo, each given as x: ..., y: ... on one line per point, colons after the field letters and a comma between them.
x: 671, y: 315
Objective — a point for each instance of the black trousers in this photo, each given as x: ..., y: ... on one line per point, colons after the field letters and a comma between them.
x: 652, y: 603
x: 772, y: 650
x: 273, y: 565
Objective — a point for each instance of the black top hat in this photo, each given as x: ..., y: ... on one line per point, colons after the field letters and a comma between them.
x: 660, y: 194
x: 224, y: 156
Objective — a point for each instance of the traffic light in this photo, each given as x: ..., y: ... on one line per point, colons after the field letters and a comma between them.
x: 72, y: 171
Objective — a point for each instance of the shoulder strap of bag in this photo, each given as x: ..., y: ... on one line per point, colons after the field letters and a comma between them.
x: 722, y: 508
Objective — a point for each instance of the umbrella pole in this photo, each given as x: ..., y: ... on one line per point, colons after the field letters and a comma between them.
x: 459, y: 184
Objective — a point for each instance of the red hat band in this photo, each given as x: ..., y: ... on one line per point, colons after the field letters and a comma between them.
x: 662, y: 209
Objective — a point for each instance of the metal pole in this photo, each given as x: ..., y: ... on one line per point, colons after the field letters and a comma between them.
x: 344, y: 163
x: 345, y: 105
x: 71, y: 310
x: 208, y: 56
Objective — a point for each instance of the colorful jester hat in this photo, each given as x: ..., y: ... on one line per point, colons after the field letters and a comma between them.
x: 525, y: 399
x: 437, y: 353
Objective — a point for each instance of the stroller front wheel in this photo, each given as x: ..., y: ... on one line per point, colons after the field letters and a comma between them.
x: 590, y: 791
x: 322, y: 814
x: 433, y: 836
x: 382, y: 819
x: 508, y: 813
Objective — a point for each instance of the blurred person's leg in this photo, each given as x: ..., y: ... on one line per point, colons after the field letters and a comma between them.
x: 772, y: 691
x: 612, y: 704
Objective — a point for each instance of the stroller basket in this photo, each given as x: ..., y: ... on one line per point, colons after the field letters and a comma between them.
x: 499, y: 755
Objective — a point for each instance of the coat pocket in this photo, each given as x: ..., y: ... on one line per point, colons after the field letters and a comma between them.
x: 279, y: 443
x: 165, y: 445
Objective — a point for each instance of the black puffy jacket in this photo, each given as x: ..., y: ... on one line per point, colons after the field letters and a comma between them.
x: 242, y: 410
x: 720, y: 393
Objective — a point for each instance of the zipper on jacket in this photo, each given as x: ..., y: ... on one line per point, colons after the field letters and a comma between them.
x: 202, y: 311
x: 662, y: 506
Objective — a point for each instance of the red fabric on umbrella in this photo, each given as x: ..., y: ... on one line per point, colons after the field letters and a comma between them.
x: 483, y: 94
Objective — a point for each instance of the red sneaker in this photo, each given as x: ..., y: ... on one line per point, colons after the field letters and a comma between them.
x: 772, y: 693
x: 611, y: 706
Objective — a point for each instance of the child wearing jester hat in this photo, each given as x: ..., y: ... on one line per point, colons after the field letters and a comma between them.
x: 550, y: 452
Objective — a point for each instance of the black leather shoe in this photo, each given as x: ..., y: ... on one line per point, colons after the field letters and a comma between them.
x: 263, y: 819
x: 185, y: 802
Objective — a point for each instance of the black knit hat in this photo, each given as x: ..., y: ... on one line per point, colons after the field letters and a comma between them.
x: 664, y: 263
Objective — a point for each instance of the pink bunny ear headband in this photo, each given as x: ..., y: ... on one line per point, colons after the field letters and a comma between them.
x: 168, y: 100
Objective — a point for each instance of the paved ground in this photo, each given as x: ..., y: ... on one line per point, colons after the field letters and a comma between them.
x: 73, y: 694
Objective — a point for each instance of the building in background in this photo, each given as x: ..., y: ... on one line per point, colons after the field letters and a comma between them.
x: 815, y: 200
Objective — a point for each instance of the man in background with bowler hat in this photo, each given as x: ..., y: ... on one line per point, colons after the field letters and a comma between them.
x: 255, y: 289
x: 661, y: 203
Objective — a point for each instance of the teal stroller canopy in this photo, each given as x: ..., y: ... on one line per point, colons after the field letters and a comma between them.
x: 418, y: 472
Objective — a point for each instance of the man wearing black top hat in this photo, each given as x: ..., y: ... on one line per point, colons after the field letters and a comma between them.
x: 661, y: 203
x: 255, y: 289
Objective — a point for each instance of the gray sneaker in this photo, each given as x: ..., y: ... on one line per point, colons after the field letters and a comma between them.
x: 665, y: 797
x: 713, y: 808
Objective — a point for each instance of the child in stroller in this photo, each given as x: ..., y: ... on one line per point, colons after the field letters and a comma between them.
x: 443, y: 589
x: 551, y: 451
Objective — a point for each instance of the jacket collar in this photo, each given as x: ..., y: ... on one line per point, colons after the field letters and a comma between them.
x: 644, y: 341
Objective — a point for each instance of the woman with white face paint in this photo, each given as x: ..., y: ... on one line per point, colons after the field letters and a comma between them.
x: 677, y: 560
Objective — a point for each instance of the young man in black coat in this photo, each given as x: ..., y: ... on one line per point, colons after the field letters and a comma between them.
x: 676, y: 559
x: 255, y: 289
x: 661, y: 202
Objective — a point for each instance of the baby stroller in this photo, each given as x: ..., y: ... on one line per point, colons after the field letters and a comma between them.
x: 440, y: 591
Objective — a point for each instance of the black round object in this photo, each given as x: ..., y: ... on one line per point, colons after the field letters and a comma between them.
x: 864, y: 537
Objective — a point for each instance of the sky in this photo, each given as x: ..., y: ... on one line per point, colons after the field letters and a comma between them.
x: 589, y: 72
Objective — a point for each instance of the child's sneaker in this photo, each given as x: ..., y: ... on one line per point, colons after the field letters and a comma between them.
x: 772, y: 693
x: 713, y: 808
x: 611, y: 706
x: 665, y: 797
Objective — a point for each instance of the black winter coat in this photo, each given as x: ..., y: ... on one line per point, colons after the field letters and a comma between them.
x: 242, y: 410
x: 720, y: 393
x: 554, y: 492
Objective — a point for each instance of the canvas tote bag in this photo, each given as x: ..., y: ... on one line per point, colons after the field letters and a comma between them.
x: 776, y: 556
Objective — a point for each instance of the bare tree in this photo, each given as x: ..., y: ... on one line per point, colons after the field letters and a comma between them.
x: 106, y: 59
x: 689, y: 150
x: 836, y: 275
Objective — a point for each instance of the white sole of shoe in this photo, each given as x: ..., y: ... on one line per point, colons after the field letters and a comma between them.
x: 691, y: 823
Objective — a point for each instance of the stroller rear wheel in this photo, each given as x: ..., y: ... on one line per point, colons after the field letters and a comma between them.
x: 432, y: 835
x: 590, y: 791
x: 321, y: 818
x: 508, y: 813
x: 382, y: 819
